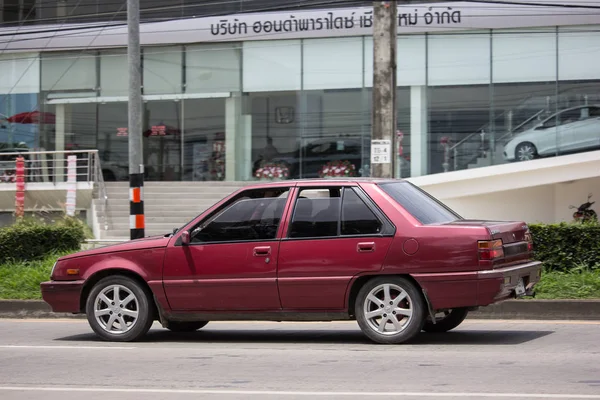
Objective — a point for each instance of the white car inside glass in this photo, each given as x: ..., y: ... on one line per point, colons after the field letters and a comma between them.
x: 568, y: 131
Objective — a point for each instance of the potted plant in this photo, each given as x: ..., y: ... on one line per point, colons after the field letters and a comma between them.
x: 272, y: 171
x: 337, y: 169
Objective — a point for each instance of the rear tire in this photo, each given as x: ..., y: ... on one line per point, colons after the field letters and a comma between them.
x: 449, y: 321
x: 186, y: 326
x: 390, y: 310
x: 119, y: 309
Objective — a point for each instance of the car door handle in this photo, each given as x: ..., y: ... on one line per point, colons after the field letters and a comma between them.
x: 365, y: 247
x: 262, y: 251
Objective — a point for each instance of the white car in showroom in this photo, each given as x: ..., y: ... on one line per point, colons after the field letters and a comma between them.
x: 568, y: 131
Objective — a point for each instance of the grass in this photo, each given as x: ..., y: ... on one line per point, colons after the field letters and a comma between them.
x: 580, y: 283
x: 21, y: 281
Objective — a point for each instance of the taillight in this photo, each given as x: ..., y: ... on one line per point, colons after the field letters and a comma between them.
x: 529, y: 241
x: 490, y: 250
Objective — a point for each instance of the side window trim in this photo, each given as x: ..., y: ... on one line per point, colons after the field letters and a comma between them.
x: 388, y: 228
x: 293, y: 208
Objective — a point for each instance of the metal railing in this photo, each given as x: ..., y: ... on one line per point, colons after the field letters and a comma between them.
x: 51, y: 167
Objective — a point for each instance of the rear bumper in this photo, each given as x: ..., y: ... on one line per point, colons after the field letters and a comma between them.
x: 62, y: 296
x: 478, y: 288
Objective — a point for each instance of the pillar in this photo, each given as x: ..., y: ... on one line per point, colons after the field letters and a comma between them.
x: 238, y: 141
x: 59, y: 142
x: 419, y: 136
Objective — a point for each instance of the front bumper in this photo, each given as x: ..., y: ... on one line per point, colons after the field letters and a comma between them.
x: 62, y: 296
x: 479, y: 288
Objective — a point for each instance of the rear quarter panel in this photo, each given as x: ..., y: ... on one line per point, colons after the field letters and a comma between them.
x: 442, y: 259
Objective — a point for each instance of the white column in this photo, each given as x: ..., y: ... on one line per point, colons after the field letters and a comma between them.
x: 244, y: 148
x: 419, y: 152
x: 59, y: 142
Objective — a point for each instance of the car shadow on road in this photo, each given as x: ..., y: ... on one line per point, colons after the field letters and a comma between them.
x: 279, y: 336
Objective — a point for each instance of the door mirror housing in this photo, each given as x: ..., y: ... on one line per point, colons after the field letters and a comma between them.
x: 185, y: 238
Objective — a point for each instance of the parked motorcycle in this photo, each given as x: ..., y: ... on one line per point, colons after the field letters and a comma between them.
x: 584, y: 213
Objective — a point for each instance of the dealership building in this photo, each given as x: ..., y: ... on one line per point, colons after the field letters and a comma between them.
x: 223, y: 94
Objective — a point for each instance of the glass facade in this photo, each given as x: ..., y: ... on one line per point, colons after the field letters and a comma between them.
x: 223, y: 111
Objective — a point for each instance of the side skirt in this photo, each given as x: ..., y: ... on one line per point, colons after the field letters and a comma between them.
x: 276, y: 316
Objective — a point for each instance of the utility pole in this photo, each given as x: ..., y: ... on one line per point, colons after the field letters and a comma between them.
x: 383, y: 137
x: 136, y: 167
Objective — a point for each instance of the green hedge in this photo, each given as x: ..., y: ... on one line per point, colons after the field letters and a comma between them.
x: 29, y: 240
x: 564, y: 247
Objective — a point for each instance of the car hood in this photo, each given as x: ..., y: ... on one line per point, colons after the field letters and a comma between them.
x: 150, y: 242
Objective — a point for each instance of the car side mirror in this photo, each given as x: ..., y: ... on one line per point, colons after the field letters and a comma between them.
x: 185, y: 238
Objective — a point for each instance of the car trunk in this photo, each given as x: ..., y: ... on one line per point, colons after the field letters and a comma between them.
x: 515, y: 236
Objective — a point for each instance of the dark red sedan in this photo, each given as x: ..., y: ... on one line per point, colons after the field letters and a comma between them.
x: 383, y: 252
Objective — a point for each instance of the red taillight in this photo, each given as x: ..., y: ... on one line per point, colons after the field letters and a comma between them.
x: 529, y: 241
x: 490, y: 250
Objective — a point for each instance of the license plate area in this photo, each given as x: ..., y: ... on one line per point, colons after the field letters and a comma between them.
x: 520, y: 289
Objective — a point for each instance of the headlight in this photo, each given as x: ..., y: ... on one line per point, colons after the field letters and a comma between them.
x: 53, y: 268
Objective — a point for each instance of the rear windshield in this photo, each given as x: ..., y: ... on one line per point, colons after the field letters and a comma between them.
x: 424, y: 207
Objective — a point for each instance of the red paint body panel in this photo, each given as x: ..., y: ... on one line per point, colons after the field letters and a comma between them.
x: 314, y: 274
x: 62, y: 296
x: 221, y: 277
x: 306, y: 275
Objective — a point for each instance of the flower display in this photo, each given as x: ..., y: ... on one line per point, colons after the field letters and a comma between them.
x: 272, y: 171
x: 337, y: 169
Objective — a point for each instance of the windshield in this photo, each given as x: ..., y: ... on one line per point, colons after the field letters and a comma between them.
x: 421, y: 205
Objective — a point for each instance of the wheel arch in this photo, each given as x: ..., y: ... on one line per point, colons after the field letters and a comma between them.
x: 104, y: 273
x: 360, y: 281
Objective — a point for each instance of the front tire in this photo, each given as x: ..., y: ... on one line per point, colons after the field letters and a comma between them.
x: 390, y: 310
x: 446, y: 322
x: 526, y: 152
x: 186, y: 326
x: 118, y: 309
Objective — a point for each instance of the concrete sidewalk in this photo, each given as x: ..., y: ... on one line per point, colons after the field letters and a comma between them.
x: 512, y: 309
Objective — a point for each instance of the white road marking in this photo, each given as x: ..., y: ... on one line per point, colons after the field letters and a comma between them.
x: 300, y: 393
x: 67, y: 347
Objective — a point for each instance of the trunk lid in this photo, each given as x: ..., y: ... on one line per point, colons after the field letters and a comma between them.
x: 516, y: 239
x: 508, y: 231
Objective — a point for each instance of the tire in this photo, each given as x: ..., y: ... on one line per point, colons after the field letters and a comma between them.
x: 186, y: 326
x: 524, y: 149
x: 134, y: 309
x: 449, y: 321
x: 370, y: 314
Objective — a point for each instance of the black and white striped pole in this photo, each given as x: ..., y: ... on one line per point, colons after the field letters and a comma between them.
x: 136, y: 167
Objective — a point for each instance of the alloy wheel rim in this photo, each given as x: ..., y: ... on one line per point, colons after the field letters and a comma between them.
x: 388, y: 309
x: 526, y: 153
x: 116, y: 309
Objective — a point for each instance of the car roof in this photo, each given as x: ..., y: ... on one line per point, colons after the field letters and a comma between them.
x: 321, y: 181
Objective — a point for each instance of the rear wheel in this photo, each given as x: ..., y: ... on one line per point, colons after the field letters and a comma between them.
x: 118, y: 309
x: 186, y: 326
x: 446, y: 320
x: 390, y: 310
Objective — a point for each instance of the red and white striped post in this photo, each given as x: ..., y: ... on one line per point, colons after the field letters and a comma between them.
x: 136, y: 206
x: 20, y: 193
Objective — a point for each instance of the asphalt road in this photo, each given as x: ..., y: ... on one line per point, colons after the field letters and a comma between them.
x: 62, y: 359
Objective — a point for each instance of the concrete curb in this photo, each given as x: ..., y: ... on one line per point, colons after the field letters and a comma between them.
x: 513, y: 309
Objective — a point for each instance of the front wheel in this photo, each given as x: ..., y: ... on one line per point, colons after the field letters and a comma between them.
x: 118, y: 309
x: 446, y: 321
x: 390, y: 310
x: 525, y: 152
x: 186, y: 326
